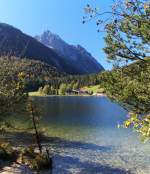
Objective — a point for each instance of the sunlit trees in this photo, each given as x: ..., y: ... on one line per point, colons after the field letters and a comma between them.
x: 40, y: 90
x: 62, y: 89
x: 130, y: 86
x: 12, y: 94
x: 127, y: 27
x: 46, y: 89
x: 14, y: 100
x: 76, y: 85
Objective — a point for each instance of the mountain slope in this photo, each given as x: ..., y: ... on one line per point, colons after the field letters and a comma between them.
x: 15, y: 43
x: 32, y: 68
x: 36, y: 72
x: 82, y: 60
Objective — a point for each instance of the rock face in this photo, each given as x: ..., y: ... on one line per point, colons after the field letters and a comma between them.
x: 83, y: 61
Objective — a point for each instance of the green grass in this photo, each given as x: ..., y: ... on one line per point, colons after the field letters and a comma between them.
x: 35, y: 93
x: 94, y: 89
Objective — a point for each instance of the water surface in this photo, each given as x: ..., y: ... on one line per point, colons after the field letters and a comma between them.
x: 85, y: 138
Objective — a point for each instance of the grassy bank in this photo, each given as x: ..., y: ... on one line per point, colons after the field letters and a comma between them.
x: 92, y: 90
x: 36, y: 93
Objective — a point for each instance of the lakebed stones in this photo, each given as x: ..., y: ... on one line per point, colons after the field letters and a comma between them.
x: 16, y: 169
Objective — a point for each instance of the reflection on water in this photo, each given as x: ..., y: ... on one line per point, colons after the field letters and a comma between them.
x: 88, y: 141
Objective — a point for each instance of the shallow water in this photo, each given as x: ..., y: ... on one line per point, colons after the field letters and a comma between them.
x: 85, y: 138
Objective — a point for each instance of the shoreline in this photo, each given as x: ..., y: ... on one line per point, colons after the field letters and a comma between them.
x: 36, y: 94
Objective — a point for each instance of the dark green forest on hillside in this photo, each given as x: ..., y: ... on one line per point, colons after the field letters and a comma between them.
x: 36, y: 72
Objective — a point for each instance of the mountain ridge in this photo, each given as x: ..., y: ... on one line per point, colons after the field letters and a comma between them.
x: 76, y: 53
x: 13, y: 42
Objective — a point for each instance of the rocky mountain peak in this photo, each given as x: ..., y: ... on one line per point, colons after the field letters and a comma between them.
x: 76, y: 53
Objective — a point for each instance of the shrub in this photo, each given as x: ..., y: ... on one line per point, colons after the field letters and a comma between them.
x: 34, y: 160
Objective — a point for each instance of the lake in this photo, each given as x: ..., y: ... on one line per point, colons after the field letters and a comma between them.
x: 85, y: 138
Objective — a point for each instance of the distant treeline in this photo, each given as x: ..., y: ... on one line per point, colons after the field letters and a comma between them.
x: 38, y: 74
x: 74, y: 81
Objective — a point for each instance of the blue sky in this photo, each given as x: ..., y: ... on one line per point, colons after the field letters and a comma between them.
x: 63, y: 17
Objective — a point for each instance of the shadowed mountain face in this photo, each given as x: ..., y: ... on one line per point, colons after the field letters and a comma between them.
x: 83, y: 61
x: 13, y: 42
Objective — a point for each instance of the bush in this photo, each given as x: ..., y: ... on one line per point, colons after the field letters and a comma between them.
x: 34, y: 160
x: 7, y: 153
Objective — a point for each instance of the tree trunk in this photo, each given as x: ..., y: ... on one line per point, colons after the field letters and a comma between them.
x: 36, y: 131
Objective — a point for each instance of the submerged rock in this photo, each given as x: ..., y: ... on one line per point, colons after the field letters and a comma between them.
x: 16, y: 169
